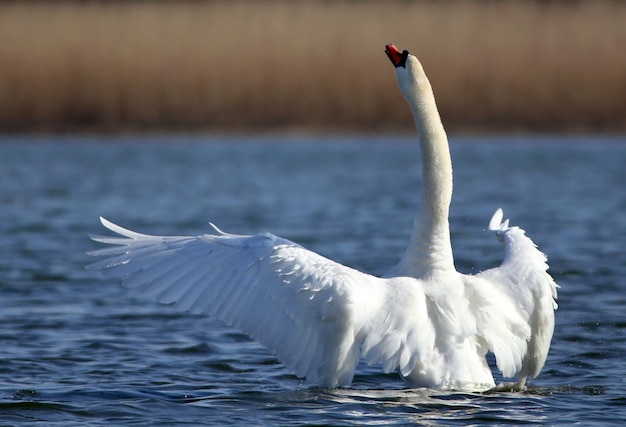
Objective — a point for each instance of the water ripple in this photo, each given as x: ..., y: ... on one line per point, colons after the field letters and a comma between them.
x: 77, y: 350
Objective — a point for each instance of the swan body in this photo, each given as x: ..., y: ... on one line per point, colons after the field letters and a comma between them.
x: 423, y: 319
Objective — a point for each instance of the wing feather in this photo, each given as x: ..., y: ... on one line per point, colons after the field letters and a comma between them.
x: 515, y: 303
x: 297, y: 303
x: 319, y: 316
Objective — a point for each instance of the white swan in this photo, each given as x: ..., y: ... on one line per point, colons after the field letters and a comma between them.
x: 424, y: 319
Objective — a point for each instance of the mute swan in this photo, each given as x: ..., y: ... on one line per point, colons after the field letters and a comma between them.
x: 423, y: 319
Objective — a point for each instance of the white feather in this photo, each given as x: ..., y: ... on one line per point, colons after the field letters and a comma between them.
x: 424, y: 319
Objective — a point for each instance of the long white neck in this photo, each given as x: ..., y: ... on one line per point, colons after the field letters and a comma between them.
x: 429, y: 251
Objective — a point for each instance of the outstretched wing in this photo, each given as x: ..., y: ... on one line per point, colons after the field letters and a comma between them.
x: 298, y: 304
x: 517, y: 302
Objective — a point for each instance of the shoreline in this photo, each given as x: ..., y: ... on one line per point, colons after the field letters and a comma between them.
x: 259, y: 67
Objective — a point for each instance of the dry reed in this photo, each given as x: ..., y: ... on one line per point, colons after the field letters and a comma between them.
x: 270, y: 65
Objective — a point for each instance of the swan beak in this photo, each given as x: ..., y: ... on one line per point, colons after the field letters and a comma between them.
x: 397, y: 58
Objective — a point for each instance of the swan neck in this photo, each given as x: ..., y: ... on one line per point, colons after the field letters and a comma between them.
x: 430, y: 250
x: 436, y: 160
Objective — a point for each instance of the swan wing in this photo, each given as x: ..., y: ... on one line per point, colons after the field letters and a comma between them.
x: 298, y: 304
x: 515, y: 302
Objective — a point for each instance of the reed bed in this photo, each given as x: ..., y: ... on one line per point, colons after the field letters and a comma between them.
x: 247, y: 66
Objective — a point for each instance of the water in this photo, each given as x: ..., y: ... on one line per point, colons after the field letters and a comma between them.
x: 79, y: 350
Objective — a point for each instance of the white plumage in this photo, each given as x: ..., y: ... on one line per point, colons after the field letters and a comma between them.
x: 424, y: 319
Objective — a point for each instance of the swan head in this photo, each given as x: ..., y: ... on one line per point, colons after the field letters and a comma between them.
x: 409, y: 72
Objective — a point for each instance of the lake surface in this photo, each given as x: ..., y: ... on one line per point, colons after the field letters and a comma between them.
x: 76, y: 349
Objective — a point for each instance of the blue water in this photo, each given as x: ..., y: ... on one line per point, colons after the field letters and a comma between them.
x: 76, y: 349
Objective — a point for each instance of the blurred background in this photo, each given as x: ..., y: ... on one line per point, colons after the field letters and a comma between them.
x: 309, y: 66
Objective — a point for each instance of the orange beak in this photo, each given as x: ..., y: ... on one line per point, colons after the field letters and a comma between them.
x: 397, y: 58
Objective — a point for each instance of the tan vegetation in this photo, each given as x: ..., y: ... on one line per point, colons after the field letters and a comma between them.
x: 310, y: 65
